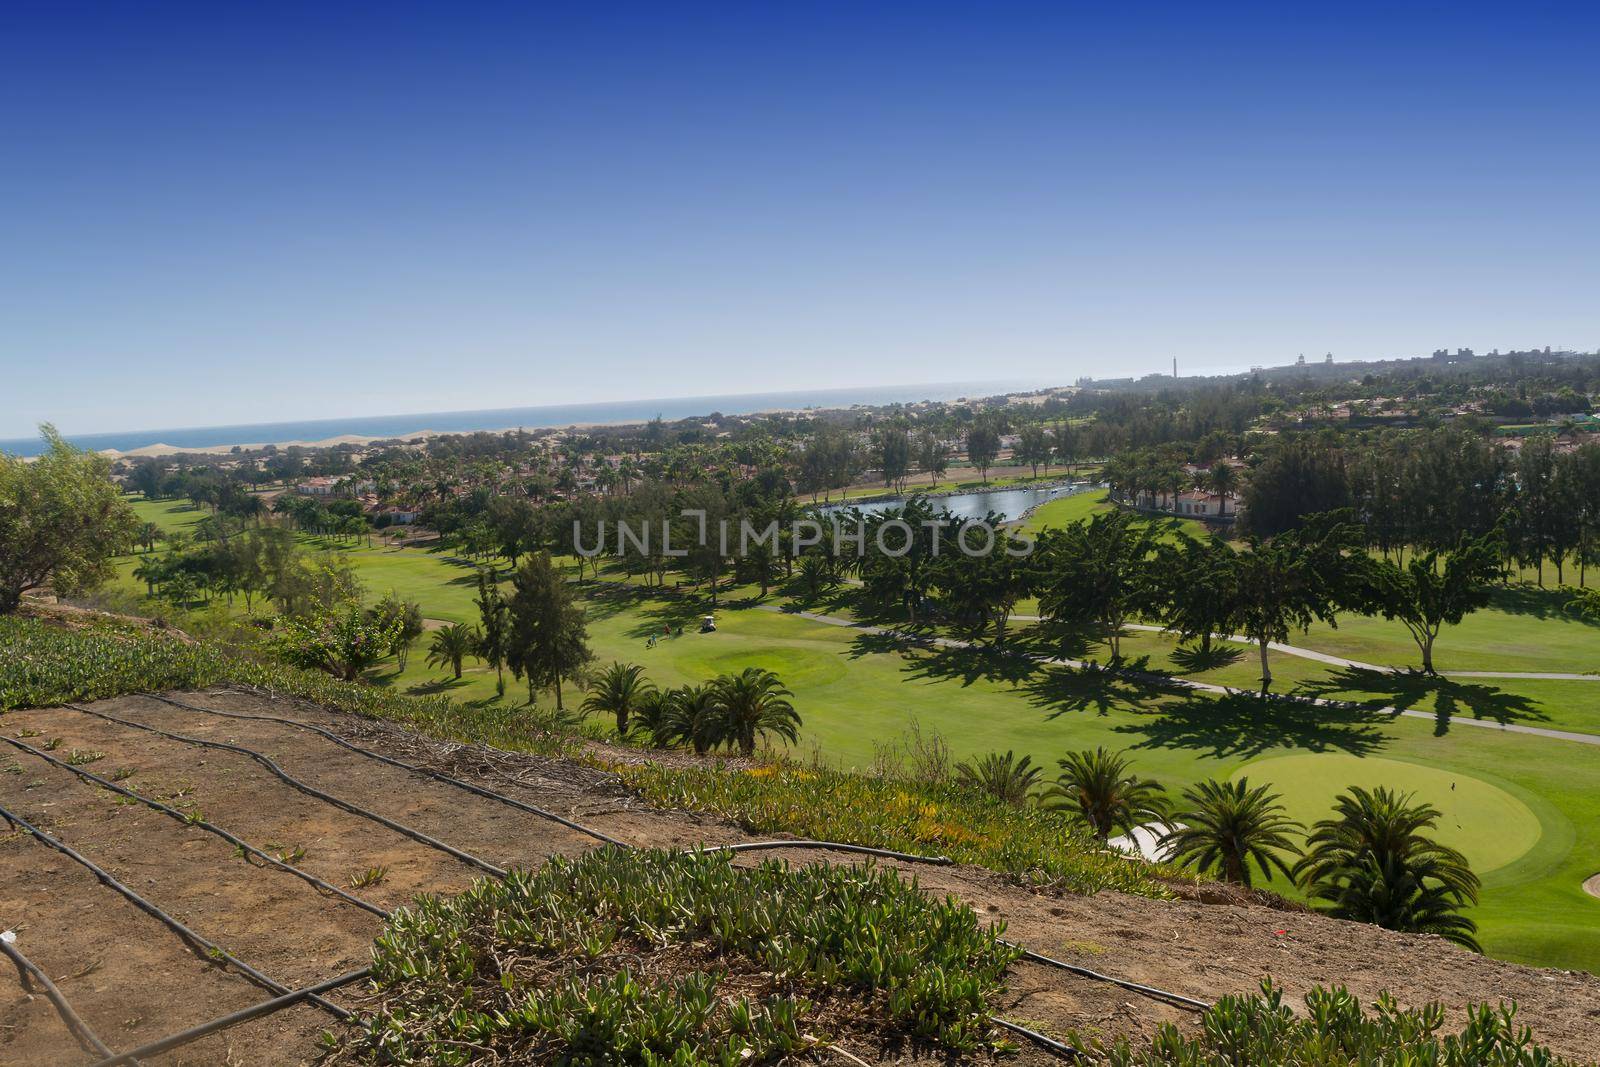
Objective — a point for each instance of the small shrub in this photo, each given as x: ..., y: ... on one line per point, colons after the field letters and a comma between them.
x: 1260, y: 1030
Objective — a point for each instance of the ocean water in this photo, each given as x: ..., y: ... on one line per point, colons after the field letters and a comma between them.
x: 530, y: 418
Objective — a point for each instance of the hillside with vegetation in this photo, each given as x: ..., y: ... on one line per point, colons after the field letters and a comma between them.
x: 1360, y: 682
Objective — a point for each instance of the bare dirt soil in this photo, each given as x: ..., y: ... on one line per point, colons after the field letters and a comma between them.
x: 134, y: 981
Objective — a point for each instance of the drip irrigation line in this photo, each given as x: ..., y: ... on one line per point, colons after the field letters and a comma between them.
x: 1167, y: 996
x: 203, y: 824
x: 243, y: 1015
x: 210, y: 949
x: 478, y: 790
x: 308, y: 789
x: 1050, y: 1044
x: 30, y: 972
x: 288, y: 998
x: 750, y: 846
x: 1150, y: 991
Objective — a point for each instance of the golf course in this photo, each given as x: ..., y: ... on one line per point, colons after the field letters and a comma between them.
x: 1523, y: 806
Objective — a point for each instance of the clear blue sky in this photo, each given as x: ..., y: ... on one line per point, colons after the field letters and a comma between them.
x: 213, y: 215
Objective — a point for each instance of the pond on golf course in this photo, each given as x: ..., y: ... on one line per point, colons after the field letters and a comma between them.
x: 1008, y: 503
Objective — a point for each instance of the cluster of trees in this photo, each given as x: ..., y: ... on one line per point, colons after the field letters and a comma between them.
x: 1103, y: 572
x: 1094, y: 576
x: 344, y: 519
x: 732, y: 710
x: 263, y: 562
x: 1167, y: 470
x: 1424, y: 490
x: 538, y: 632
x: 1097, y: 575
x: 1371, y: 861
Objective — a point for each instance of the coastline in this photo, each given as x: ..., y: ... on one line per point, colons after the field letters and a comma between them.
x: 364, y: 440
x: 363, y: 430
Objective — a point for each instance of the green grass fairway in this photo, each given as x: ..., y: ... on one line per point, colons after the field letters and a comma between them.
x: 1066, y: 510
x: 442, y: 582
x: 1079, y: 506
x: 171, y: 516
x: 1491, y: 827
x: 1523, y: 629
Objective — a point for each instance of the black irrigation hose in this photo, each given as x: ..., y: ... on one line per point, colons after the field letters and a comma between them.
x: 203, y: 824
x: 209, y: 949
x: 308, y: 789
x: 243, y: 1015
x: 1049, y: 1044
x: 1150, y: 991
x: 413, y: 768
x: 31, y: 972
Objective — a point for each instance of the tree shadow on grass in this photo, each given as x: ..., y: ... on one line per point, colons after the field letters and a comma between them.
x: 1413, y: 690
x: 434, y: 688
x: 1245, y: 725
x: 665, y: 617
x: 1194, y: 660
x: 448, y: 553
x: 1128, y: 686
x: 390, y: 679
x: 890, y: 643
x: 1538, y: 603
x: 929, y: 661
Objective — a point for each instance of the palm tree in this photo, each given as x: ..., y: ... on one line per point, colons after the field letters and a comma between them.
x: 252, y: 507
x: 1228, y: 824
x: 816, y: 572
x: 621, y: 690
x: 1221, y: 479
x: 152, y: 571
x: 688, y: 716
x: 1372, y: 863
x: 1099, y: 787
x: 654, y: 717
x: 452, y: 644
x: 1003, y: 778
x: 749, y: 703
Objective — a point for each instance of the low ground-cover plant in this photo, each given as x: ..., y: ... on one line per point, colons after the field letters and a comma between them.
x: 1262, y: 1031
x: 1036, y: 846
x: 44, y: 664
x: 625, y: 956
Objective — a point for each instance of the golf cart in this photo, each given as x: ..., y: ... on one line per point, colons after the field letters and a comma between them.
x: 708, y: 624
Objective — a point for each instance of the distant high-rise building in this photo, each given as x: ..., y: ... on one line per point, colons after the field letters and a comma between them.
x: 1301, y: 362
x: 1328, y: 359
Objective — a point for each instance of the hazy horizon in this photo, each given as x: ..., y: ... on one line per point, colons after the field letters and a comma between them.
x: 545, y: 416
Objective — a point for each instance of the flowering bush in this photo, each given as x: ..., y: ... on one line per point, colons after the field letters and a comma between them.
x: 344, y: 641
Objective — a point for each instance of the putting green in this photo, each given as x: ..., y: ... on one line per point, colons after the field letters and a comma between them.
x: 1490, y: 826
